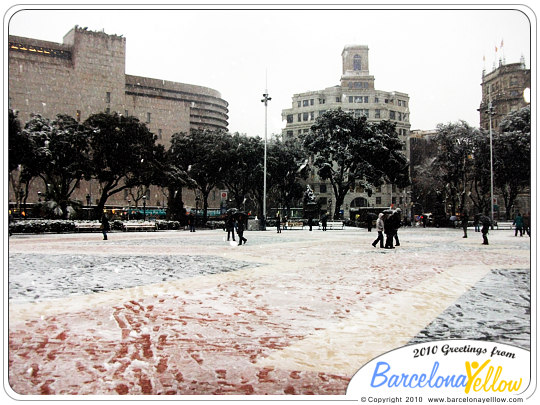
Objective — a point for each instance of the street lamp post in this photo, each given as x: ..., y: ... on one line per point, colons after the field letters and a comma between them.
x: 265, y: 100
x: 197, y: 199
x: 129, y: 208
x: 491, y: 113
x: 88, y: 198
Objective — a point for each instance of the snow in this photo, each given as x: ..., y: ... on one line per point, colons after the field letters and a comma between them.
x: 297, y: 312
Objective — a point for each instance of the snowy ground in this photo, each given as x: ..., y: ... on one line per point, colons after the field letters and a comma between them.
x: 299, y: 312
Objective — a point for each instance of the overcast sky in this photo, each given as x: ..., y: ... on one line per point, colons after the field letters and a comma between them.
x: 435, y: 56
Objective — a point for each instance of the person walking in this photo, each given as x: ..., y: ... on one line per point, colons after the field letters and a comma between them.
x: 464, y: 222
x: 229, y: 225
x: 476, y: 222
x: 240, y: 227
x: 278, y: 222
x: 518, y: 222
x: 191, y: 222
x: 486, y: 222
x: 379, y: 225
x: 397, y: 224
x: 105, y: 226
x: 389, y: 230
x: 527, y: 224
x: 324, y: 221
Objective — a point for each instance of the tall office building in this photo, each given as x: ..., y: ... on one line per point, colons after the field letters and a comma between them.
x: 357, y: 94
x: 86, y: 75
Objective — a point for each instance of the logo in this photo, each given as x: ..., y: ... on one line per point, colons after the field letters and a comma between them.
x: 461, y: 368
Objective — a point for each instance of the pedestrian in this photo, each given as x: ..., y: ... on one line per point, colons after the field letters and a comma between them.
x: 389, y: 229
x: 476, y: 222
x: 229, y: 225
x: 369, y: 222
x: 310, y: 223
x: 464, y: 222
x: 485, y: 228
x: 105, y: 226
x: 278, y: 222
x: 191, y: 222
x: 324, y: 221
x: 424, y: 220
x: 527, y: 224
x: 397, y: 224
x: 379, y: 225
x: 518, y: 222
x: 240, y: 226
x: 285, y: 222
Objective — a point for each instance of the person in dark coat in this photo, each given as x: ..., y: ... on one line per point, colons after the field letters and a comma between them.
x: 105, y: 226
x: 379, y: 225
x: 229, y: 225
x: 191, y: 222
x: 369, y: 222
x: 389, y: 230
x: 518, y: 222
x: 486, y: 222
x: 240, y: 227
x: 476, y: 222
x: 527, y: 223
x: 278, y: 223
x: 324, y: 221
x: 464, y: 222
x: 397, y: 224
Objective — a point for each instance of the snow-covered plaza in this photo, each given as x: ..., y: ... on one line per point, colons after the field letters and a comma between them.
x: 175, y: 312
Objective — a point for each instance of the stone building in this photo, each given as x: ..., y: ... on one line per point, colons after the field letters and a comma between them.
x: 504, y: 87
x: 85, y: 75
x: 357, y: 94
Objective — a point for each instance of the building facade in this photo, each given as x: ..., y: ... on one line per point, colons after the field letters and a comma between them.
x: 86, y: 75
x: 504, y: 87
x: 357, y: 94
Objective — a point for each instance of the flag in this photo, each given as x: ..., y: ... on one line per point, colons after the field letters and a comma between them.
x: 502, y: 43
x: 496, y: 49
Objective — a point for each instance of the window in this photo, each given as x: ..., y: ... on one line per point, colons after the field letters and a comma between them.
x: 148, y: 118
x: 392, y: 115
x: 404, y: 103
x: 108, y: 110
x: 357, y: 62
x: 399, y: 103
x: 290, y: 133
x: 322, y: 101
x: 322, y: 188
x: 378, y: 200
x: 160, y: 134
x: 393, y: 200
x: 378, y: 189
x: 338, y: 99
x: 366, y: 85
x: 299, y: 104
x: 377, y: 113
x: 312, y: 115
x: 126, y: 113
x: 306, y: 103
x: 108, y: 97
x: 366, y: 99
x: 376, y: 100
x: 299, y: 117
x: 289, y: 119
x: 399, y: 116
x: 358, y: 85
x: 312, y: 101
x: 305, y: 116
x: 78, y: 115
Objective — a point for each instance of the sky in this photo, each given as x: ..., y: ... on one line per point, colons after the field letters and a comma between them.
x: 434, y: 55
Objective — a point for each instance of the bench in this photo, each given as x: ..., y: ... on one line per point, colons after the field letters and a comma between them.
x: 505, y: 225
x: 87, y: 226
x: 293, y: 224
x: 333, y: 225
x: 139, y: 226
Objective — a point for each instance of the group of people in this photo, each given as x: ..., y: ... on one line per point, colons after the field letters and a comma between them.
x: 388, y: 224
x: 236, y: 222
x: 522, y: 224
